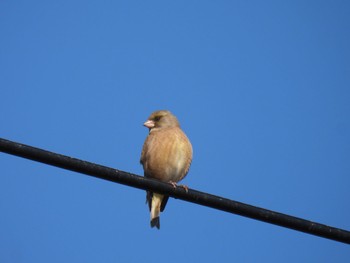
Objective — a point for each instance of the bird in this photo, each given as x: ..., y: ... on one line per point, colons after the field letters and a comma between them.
x: 166, y: 156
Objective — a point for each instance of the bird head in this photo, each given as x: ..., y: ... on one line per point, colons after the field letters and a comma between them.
x: 161, y: 119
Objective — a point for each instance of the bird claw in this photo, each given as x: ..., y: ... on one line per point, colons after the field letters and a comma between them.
x: 173, y: 184
x: 185, y: 187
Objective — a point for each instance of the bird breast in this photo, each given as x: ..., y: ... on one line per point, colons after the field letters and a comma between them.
x: 167, y: 155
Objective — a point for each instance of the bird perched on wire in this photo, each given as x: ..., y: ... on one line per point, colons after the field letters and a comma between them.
x: 166, y: 156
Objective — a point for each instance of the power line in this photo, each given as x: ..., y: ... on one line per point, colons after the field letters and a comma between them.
x: 193, y: 196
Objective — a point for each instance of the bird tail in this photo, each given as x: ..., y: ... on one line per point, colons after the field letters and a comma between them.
x: 155, y: 209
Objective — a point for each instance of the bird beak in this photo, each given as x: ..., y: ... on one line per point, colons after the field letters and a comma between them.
x: 149, y: 124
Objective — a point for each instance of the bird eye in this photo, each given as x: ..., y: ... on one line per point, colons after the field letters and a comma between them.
x: 157, y: 118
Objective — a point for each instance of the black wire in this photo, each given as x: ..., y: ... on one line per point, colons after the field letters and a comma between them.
x: 193, y: 196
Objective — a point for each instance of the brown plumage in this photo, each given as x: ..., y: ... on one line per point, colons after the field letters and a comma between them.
x: 166, y: 156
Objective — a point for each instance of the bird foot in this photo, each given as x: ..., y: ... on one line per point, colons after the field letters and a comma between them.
x: 175, y: 185
x: 184, y: 187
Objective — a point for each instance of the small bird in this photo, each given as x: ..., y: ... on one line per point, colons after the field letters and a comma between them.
x: 166, y: 156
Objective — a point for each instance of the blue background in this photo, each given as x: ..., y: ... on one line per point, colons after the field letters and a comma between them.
x: 262, y: 89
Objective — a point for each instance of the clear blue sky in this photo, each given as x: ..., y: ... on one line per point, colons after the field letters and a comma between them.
x: 262, y: 89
